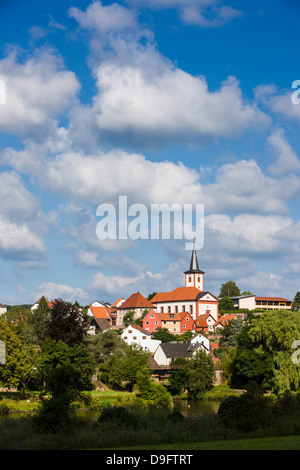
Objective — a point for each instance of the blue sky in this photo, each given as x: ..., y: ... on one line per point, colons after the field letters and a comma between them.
x: 164, y: 101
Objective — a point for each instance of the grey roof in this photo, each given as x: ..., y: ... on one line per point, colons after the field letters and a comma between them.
x: 174, y: 350
x: 194, y: 267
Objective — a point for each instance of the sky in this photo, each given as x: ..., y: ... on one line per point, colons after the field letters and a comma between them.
x: 187, y: 102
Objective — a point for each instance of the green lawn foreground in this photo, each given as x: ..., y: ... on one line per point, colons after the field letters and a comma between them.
x: 266, y: 443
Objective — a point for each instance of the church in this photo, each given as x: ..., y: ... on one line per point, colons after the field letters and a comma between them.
x: 192, y: 298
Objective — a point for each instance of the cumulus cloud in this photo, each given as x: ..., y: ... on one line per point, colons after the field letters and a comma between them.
x: 38, y: 90
x: 204, y: 13
x: 52, y: 291
x: 150, y: 100
x: 105, y: 19
x: 286, y: 161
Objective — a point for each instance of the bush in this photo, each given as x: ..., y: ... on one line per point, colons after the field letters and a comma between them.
x: 247, y: 412
x: 4, y: 408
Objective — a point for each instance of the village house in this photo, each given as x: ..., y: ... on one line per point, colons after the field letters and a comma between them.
x: 151, y: 321
x: 167, y: 353
x: 135, y: 334
x: 177, y: 323
x: 192, y: 298
x: 205, y: 323
x: 100, y: 320
x: 136, y: 303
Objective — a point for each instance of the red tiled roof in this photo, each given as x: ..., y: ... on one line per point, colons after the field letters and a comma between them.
x: 271, y: 299
x: 181, y: 293
x: 136, y: 300
x: 175, y: 316
x: 99, y: 312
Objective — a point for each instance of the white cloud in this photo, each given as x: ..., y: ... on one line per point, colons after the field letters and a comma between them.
x: 38, y: 90
x: 107, y: 19
x: 204, y: 13
x: 278, y: 102
x: 286, y: 161
x: 147, y: 100
x: 17, y: 241
x: 52, y: 291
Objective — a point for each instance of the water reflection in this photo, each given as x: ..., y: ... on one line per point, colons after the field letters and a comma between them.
x: 190, y: 407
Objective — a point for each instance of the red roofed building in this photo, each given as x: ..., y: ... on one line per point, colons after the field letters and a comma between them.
x: 191, y: 298
x: 136, y: 303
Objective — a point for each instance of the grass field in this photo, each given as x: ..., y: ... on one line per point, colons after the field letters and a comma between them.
x: 271, y: 443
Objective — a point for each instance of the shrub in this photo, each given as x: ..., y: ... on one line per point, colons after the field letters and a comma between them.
x: 247, y: 412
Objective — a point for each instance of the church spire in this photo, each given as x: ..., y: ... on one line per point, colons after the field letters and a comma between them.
x: 194, y: 277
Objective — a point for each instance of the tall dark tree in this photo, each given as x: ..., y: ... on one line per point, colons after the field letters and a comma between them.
x: 229, y: 289
x: 66, y: 323
x: 296, y: 303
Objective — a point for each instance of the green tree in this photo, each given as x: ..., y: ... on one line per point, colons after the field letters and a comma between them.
x: 264, y: 351
x: 128, y: 318
x: 39, y: 319
x: 226, y: 304
x: 105, y: 344
x: 229, y: 289
x: 58, y: 398
x: 151, y: 394
x: 230, y: 332
x: 122, y: 372
x: 19, y: 366
x: 163, y: 335
x: 296, y: 302
x: 58, y: 353
x: 65, y: 323
x: 200, y: 374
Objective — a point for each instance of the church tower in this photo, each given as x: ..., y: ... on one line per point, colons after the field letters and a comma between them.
x: 194, y: 277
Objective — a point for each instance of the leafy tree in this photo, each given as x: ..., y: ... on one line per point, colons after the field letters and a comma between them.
x: 105, y: 344
x: 150, y: 296
x: 178, y: 378
x: 19, y: 366
x: 229, y: 289
x: 65, y: 323
x: 119, y: 371
x: 58, y: 398
x: 226, y: 304
x: 296, y: 302
x: 230, y: 332
x: 163, y: 335
x: 200, y: 374
x: 39, y: 319
x: 151, y: 394
x: 58, y: 353
x: 128, y: 317
x: 264, y: 351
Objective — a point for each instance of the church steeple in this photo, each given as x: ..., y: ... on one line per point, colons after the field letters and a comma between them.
x: 194, y: 277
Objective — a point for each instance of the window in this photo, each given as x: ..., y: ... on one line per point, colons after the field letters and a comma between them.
x: 190, y: 279
x: 172, y: 316
x: 151, y: 316
x: 161, y: 310
x: 143, y: 337
x: 169, y: 309
x: 187, y: 319
x: 191, y: 309
x: 129, y: 331
x: 183, y: 326
x: 156, y: 323
x: 183, y: 308
x: 147, y: 323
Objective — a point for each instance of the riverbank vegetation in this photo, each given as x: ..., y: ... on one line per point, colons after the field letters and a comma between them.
x: 53, y: 372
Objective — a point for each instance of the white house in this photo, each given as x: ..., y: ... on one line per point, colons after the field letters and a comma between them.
x: 135, y: 334
x: 3, y: 309
x: 200, y: 340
